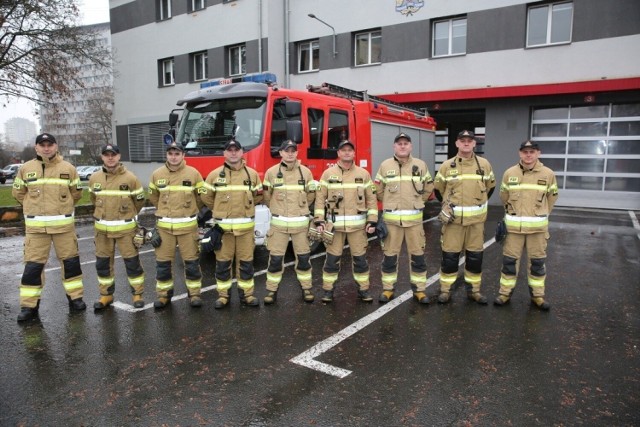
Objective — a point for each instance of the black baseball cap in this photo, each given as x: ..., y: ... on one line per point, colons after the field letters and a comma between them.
x: 400, y: 136
x: 467, y: 134
x: 346, y: 142
x: 110, y: 148
x: 529, y: 144
x: 175, y: 146
x: 288, y: 144
x: 232, y: 143
x: 45, y: 137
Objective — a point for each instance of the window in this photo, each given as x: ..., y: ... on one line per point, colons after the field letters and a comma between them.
x: 338, y: 128
x: 196, y: 5
x: 200, y: 66
x: 450, y: 37
x: 368, y: 47
x: 166, y: 72
x: 308, y: 56
x: 164, y: 9
x: 237, y: 60
x: 549, y: 24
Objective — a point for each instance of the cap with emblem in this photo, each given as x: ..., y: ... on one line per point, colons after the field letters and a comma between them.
x: 346, y: 142
x: 529, y: 144
x: 45, y: 137
x: 232, y: 143
x: 400, y: 136
x: 466, y: 134
x: 110, y: 148
x: 288, y: 144
x: 175, y: 146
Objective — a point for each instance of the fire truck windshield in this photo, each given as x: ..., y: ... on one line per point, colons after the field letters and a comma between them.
x: 206, y: 126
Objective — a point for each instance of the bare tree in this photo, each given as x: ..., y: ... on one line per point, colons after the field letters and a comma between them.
x: 40, y: 46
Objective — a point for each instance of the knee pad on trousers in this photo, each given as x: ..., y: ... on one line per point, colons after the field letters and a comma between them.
x: 537, y: 267
x: 223, y: 270
x: 450, y: 262
x: 304, y: 263
x: 163, y: 270
x: 133, y: 266
x: 509, y: 265
x: 246, y: 270
x: 275, y: 263
x: 332, y: 264
x: 102, y: 266
x: 32, y: 275
x: 389, y: 263
x: 72, y: 267
x: 360, y: 264
x: 418, y: 263
x: 192, y: 269
x: 473, y: 262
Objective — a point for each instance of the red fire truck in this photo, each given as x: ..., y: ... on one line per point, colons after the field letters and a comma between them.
x: 260, y: 115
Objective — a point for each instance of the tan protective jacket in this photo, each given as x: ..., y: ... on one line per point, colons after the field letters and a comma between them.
x: 176, y: 196
x: 465, y: 184
x: 117, y: 196
x: 528, y: 196
x: 347, y: 198
x: 289, y: 192
x: 48, y: 190
x: 403, y: 188
x: 232, y: 195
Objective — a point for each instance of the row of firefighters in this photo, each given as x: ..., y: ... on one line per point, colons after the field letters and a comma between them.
x: 345, y: 210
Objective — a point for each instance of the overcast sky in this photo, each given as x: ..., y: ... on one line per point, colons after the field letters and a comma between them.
x: 93, y: 12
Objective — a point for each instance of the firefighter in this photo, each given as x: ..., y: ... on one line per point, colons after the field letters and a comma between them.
x: 48, y: 187
x: 528, y: 191
x: 232, y: 192
x: 464, y: 185
x: 174, y: 189
x: 117, y: 196
x: 346, y: 202
x: 403, y: 184
x: 288, y: 190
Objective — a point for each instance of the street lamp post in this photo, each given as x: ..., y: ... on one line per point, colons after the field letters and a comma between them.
x: 311, y: 15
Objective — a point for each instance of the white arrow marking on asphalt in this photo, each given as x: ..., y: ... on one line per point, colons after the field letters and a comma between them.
x: 307, y: 358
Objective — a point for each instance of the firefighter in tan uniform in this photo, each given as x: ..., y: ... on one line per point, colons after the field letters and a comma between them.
x: 464, y: 185
x: 232, y: 192
x: 528, y: 191
x: 288, y: 190
x: 48, y: 187
x: 174, y: 189
x: 117, y: 196
x: 403, y: 184
x: 346, y: 199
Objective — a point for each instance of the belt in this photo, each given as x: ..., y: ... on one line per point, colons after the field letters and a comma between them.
x: 49, y: 217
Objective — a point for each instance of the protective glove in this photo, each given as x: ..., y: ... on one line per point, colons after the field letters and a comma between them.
x: 327, y: 234
x: 371, y: 224
x: 501, y: 231
x: 212, y: 240
x: 313, y: 234
x: 139, y: 237
x: 381, y: 230
x: 446, y: 215
x: 154, y: 238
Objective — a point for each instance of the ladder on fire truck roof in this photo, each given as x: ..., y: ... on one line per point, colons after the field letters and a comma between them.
x: 335, y: 90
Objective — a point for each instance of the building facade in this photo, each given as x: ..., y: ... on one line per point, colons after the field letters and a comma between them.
x: 19, y: 132
x: 563, y: 73
x: 84, y: 121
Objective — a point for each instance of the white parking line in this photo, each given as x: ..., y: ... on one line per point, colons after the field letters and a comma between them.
x: 634, y: 220
x: 307, y: 358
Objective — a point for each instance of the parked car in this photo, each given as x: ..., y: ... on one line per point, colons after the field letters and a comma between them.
x: 9, y: 172
x: 85, y: 173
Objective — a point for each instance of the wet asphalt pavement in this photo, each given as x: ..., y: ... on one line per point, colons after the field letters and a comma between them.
x: 356, y: 364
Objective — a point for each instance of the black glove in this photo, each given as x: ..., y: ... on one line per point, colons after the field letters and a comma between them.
x: 154, y: 238
x: 381, y: 230
x: 501, y: 231
x: 212, y: 240
x: 371, y: 224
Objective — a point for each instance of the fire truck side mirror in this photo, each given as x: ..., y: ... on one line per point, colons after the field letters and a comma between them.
x: 294, y: 131
x: 292, y: 108
x: 173, y: 119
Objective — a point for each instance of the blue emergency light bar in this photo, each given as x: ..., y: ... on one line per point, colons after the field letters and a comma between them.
x: 266, y: 77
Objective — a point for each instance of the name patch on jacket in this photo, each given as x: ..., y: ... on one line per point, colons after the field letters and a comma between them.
x: 64, y: 176
x: 123, y: 187
x: 186, y: 183
x: 542, y: 182
x: 359, y: 180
